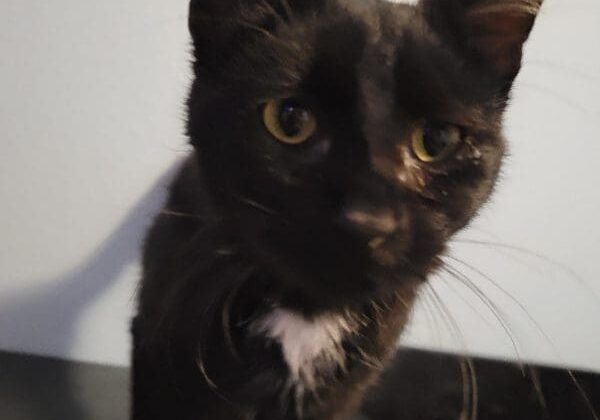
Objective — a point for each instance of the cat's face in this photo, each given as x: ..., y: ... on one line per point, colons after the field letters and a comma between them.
x: 345, y: 141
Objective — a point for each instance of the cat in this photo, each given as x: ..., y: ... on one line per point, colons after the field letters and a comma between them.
x: 338, y: 147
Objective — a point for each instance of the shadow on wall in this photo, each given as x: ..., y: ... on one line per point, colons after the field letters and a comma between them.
x: 53, y: 311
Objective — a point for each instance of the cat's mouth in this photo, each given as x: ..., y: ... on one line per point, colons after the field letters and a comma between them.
x: 381, y: 252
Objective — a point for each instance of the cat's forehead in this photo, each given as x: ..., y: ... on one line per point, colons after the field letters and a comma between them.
x: 380, y: 15
x: 387, y: 53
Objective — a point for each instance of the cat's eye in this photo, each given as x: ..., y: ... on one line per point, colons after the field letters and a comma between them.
x: 289, y: 121
x: 434, y: 143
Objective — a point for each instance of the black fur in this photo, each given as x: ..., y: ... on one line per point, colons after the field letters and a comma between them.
x: 253, y: 224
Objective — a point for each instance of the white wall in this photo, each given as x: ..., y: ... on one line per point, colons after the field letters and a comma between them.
x: 91, y: 100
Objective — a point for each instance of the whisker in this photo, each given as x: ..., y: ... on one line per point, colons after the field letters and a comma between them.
x: 475, y: 392
x: 273, y: 11
x: 534, y: 376
x: 256, y: 205
x: 563, y: 98
x: 211, y: 384
x: 447, y: 317
x: 466, y: 388
x: 563, y: 267
x: 548, y: 64
x: 469, y: 408
x: 288, y: 9
x: 449, y: 285
x: 226, y: 321
x: 176, y: 293
x: 469, y: 374
x: 494, y: 310
x: 537, y: 385
x: 200, y: 364
x: 501, y: 289
x: 431, y: 319
x: 584, y: 395
x: 241, y: 274
x: 167, y: 212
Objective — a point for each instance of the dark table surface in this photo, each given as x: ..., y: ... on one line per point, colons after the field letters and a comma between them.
x: 419, y: 386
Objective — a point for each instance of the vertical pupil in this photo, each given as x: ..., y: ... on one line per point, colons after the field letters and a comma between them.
x: 292, y: 118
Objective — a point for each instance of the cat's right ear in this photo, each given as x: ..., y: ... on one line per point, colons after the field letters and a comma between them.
x: 219, y: 27
x: 489, y: 33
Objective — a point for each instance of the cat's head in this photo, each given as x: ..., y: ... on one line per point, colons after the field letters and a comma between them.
x: 345, y: 141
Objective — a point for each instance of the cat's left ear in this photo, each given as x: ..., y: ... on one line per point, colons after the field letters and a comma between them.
x: 491, y: 33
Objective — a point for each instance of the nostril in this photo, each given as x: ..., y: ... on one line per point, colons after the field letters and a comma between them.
x: 369, y: 219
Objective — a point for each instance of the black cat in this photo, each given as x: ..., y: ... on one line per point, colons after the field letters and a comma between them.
x: 339, y: 144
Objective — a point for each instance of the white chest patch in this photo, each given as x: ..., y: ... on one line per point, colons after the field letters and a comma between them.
x: 311, y: 347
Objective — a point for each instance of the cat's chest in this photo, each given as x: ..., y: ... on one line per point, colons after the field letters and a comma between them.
x: 313, y: 349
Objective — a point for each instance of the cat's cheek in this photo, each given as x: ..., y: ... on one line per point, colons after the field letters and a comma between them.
x: 294, y: 165
x: 282, y: 171
x: 313, y: 152
x: 410, y: 173
x: 284, y: 177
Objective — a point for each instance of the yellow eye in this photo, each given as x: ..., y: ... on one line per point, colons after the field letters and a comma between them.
x: 432, y: 144
x: 289, y: 121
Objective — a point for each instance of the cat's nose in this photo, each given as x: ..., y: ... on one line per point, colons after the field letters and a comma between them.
x: 368, y: 219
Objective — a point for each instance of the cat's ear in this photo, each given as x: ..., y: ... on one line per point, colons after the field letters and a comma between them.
x: 206, y: 16
x: 491, y: 33
x: 218, y: 27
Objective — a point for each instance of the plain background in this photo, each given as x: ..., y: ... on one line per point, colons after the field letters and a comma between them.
x: 91, y: 111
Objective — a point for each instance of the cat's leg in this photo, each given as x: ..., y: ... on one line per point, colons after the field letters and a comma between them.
x: 151, y: 398
x: 156, y: 396
x: 144, y: 383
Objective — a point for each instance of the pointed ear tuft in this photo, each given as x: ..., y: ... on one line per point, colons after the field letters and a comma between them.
x: 489, y: 32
